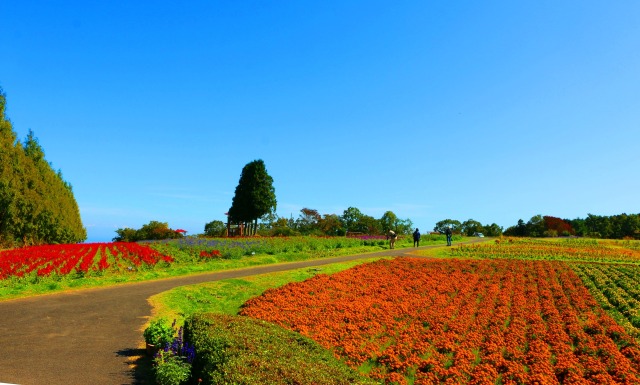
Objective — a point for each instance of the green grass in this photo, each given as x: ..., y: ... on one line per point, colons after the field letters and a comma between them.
x: 275, y: 349
x: 226, y: 297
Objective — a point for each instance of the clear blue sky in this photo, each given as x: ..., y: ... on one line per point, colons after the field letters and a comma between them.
x: 494, y: 111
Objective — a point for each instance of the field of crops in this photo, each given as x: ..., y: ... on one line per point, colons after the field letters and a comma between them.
x: 507, y: 311
x: 569, y: 249
x: 502, y: 313
x: 43, y: 261
x: 42, y: 269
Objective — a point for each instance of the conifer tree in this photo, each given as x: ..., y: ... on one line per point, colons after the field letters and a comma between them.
x: 37, y: 205
x: 254, y: 196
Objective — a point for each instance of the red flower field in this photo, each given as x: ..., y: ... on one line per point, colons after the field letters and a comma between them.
x: 71, y: 258
x: 459, y: 322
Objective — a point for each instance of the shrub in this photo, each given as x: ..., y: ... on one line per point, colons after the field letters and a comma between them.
x: 171, y: 369
x: 159, y: 333
x: 241, y: 350
x: 215, y: 229
x: 172, y: 364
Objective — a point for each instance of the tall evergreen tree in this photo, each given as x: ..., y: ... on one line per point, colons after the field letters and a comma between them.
x: 8, y: 161
x: 254, y: 197
x: 36, y: 205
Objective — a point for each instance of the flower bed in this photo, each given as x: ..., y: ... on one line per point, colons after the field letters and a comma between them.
x: 77, y: 258
x: 567, y: 249
x: 459, y: 322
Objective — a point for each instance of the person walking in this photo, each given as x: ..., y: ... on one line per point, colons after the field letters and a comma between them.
x: 416, y: 238
x: 447, y: 232
x: 392, y: 237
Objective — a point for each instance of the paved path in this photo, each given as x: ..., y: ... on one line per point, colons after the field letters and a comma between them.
x: 90, y: 336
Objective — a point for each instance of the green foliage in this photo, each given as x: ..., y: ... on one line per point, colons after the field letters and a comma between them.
x: 351, y: 218
x: 470, y: 227
x: 389, y: 221
x: 441, y: 226
x: 535, y: 226
x: 241, y: 350
x: 622, y: 226
x: 254, y: 195
x: 311, y: 222
x: 283, y: 232
x: 492, y: 230
x: 37, y: 205
x: 170, y: 369
x: 153, y: 230
x: 126, y: 235
x: 215, y: 229
x: 159, y: 333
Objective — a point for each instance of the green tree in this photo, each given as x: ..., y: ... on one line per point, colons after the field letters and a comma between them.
x: 330, y: 224
x: 440, y: 227
x: 254, y: 196
x: 389, y: 221
x: 154, y: 230
x: 350, y: 217
x: 519, y: 230
x: 157, y: 230
x: 492, y: 230
x: 308, y: 221
x: 215, y: 229
x: 126, y: 235
x: 404, y: 226
x: 579, y: 226
x: 471, y: 227
x: 535, y: 226
x: 37, y: 205
x: 368, y: 225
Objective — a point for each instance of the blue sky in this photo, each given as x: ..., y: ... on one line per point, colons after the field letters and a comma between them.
x: 494, y: 111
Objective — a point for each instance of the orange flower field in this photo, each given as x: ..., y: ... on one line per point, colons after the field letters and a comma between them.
x: 452, y: 321
x: 566, y: 249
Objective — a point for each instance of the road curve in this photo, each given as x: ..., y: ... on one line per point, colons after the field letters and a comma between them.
x: 89, y: 336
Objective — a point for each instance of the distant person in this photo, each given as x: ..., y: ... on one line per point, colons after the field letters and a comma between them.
x: 392, y: 237
x: 416, y: 238
x: 447, y: 232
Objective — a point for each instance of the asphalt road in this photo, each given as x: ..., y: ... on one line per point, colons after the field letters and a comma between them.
x: 93, y: 336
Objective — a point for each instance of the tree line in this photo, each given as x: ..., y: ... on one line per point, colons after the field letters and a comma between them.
x: 469, y: 227
x: 254, y: 204
x: 621, y: 226
x: 154, y: 230
x: 311, y: 222
x: 37, y: 205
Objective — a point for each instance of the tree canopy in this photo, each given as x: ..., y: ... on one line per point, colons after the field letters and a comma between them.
x: 596, y: 226
x: 154, y: 230
x: 255, y: 195
x: 37, y: 205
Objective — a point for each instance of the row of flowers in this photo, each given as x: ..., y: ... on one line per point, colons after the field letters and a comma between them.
x: 231, y: 248
x: 617, y: 288
x: 571, y: 250
x: 459, y: 322
x: 71, y: 258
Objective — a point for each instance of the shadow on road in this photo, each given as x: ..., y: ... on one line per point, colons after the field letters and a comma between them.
x: 140, y: 365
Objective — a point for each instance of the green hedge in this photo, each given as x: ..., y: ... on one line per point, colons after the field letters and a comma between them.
x: 242, y: 350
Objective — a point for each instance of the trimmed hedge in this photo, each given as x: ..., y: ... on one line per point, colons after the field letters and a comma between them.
x: 242, y: 350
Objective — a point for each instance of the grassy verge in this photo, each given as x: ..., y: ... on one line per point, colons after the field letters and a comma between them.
x: 209, y: 312
x: 226, y: 297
